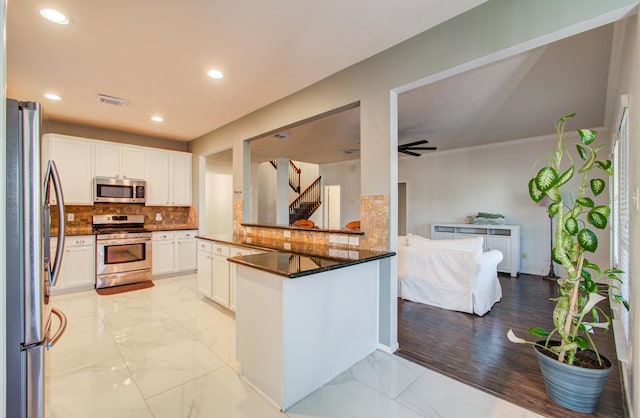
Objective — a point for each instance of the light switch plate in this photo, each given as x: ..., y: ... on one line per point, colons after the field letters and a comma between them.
x: 71, y: 217
x: 333, y: 239
x: 287, y: 245
x: 343, y: 239
x: 287, y: 234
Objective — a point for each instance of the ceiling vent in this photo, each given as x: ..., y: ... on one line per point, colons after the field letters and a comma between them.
x: 116, y: 101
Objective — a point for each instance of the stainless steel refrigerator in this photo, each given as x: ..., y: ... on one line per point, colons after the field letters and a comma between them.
x: 30, y: 269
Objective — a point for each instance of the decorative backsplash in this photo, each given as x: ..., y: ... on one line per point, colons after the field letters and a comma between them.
x: 374, y: 210
x: 173, y: 217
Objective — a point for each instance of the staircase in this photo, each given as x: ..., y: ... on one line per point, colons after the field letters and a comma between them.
x: 294, y: 175
x: 307, y: 203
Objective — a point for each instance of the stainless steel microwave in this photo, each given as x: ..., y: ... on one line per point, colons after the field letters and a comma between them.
x: 111, y: 190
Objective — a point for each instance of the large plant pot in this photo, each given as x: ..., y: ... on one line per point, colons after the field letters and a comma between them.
x: 576, y: 388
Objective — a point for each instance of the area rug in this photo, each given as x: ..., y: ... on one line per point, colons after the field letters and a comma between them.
x: 124, y: 288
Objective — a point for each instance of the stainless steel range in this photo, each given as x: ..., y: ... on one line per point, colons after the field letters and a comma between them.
x: 123, y: 250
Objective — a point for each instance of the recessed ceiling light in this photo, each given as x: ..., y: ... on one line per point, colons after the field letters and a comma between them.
x: 52, y: 96
x: 157, y: 118
x: 215, y: 74
x: 54, y: 16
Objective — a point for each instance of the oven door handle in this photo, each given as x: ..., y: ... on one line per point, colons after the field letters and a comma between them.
x: 126, y: 241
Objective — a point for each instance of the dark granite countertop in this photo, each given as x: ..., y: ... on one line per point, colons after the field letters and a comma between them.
x: 292, y: 265
x: 296, y: 259
x: 88, y: 230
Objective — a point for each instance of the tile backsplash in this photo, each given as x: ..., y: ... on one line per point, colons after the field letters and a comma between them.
x: 172, y: 216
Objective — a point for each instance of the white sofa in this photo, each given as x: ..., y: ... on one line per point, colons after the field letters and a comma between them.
x: 450, y: 274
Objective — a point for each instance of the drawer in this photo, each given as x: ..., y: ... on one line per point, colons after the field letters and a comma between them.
x: 185, y: 234
x: 162, y: 236
x: 220, y: 249
x: 238, y: 251
x: 205, y: 246
x: 79, y: 241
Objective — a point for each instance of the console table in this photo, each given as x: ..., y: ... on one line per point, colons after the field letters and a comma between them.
x: 504, y: 238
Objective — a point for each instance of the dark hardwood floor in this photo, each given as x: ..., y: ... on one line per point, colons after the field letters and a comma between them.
x: 475, y: 350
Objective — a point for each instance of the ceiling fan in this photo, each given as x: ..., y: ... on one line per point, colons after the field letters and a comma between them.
x: 411, y: 147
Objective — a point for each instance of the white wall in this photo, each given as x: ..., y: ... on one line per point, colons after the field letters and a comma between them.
x: 265, y: 193
x: 219, y: 204
x: 347, y: 176
x: 449, y: 186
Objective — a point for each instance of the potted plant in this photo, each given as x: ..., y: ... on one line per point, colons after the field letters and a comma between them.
x: 574, y: 370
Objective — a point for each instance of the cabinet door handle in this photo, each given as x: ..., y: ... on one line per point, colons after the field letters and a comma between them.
x: 219, y: 250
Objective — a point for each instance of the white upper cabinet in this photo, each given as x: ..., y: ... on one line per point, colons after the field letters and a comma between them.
x: 157, y: 177
x: 181, y: 180
x: 118, y: 161
x: 168, y: 176
x: 74, y: 160
x: 79, y: 160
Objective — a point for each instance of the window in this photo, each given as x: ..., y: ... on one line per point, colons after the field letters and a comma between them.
x: 620, y: 213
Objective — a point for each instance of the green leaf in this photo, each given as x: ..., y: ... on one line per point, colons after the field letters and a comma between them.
x: 571, y: 226
x: 595, y: 315
x: 597, y: 219
x: 606, y: 166
x: 587, y: 136
x: 565, y: 117
x: 622, y: 300
x: 602, y: 210
x: 585, y: 201
x: 587, y: 166
x: 614, y: 271
x: 553, y: 209
x: 546, y: 178
x: 582, y: 342
x: 538, y: 332
x: 535, y: 194
x: 597, y: 186
x: 554, y: 194
x: 565, y: 177
x: 583, y: 151
x: 587, y: 265
x: 588, y: 240
x: 589, y: 285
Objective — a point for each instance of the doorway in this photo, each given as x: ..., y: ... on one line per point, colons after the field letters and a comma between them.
x: 332, y: 207
x: 402, y: 208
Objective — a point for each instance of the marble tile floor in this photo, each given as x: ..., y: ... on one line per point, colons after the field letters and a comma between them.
x: 167, y: 352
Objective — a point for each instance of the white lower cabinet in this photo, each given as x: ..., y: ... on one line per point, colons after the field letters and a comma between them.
x: 173, y: 252
x: 205, y: 286
x: 235, y: 252
x: 216, y: 276
x: 78, y: 270
x: 220, y: 274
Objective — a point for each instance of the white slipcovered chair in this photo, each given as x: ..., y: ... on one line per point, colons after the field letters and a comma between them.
x: 450, y: 274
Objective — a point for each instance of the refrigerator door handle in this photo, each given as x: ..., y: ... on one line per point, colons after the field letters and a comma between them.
x: 63, y: 326
x: 53, y: 269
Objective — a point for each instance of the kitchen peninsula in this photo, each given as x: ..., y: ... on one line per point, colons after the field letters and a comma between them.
x: 302, y: 318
